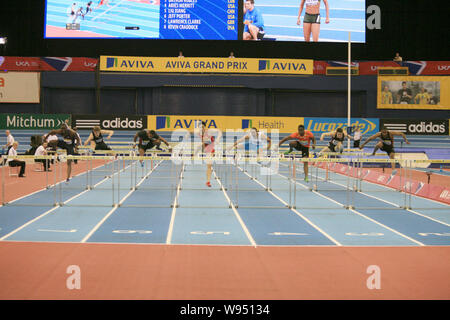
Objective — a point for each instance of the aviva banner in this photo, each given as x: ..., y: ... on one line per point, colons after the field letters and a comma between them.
x: 414, y: 92
x: 209, y: 65
x: 171, y: 123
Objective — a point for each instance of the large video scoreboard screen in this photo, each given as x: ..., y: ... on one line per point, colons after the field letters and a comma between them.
x: 153, y: 19
x: 261, y: 20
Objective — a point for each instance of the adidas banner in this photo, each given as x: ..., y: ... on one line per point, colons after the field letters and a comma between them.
x: 417, y: 127
x: 109, y: 122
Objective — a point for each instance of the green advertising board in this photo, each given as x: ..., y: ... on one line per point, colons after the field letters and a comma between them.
x: 28, y: 121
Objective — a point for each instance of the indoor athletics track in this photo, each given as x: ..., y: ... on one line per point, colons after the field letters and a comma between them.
x: 171, y: 237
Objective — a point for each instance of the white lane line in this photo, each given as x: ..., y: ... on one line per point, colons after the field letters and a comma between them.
x: 47, y: 212
x: 409, y: 210
x: 296, y: 212
x: 387, y: 188
x: 28, y: 223
x: 56, y: 230
x: 425, y: 216
x: 391, y: 203
x: 389, y: 228
x: 51, y: 185
x: 236, y: 213
x: 174, y: 209
x: 366, y: 217
x: 97, y: 226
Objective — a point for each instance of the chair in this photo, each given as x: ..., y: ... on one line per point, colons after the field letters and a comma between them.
x: 38, y: 167
x: 13, y: 171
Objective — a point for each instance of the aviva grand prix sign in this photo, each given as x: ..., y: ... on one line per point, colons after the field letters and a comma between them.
x: 208, y: 65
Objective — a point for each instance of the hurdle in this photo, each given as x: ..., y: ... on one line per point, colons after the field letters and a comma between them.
x: 346, y: 175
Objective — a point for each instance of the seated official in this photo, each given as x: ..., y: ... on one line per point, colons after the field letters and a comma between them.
x: 42, y: 151
x: 14, y: 162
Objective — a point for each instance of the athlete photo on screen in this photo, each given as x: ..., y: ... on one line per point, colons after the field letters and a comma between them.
x: 72, y: 13
x: 404, y: 95
x: 422, y: 97
x: 410, y: 92
x: 88, y: 9
x: 76, y: 12
x: 386, y: 96
x: 311, y: 20
x: 253, y: 22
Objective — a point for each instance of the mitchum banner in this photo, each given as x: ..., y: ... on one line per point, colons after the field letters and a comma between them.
x: 24, y: 121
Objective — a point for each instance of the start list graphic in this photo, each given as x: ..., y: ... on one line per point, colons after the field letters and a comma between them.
x: 199, y: 19
x: 136, y: 19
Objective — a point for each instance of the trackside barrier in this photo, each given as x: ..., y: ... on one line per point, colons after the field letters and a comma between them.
x: 347, y: 180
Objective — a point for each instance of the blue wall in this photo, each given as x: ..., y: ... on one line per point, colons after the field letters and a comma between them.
x: 313, y: 96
